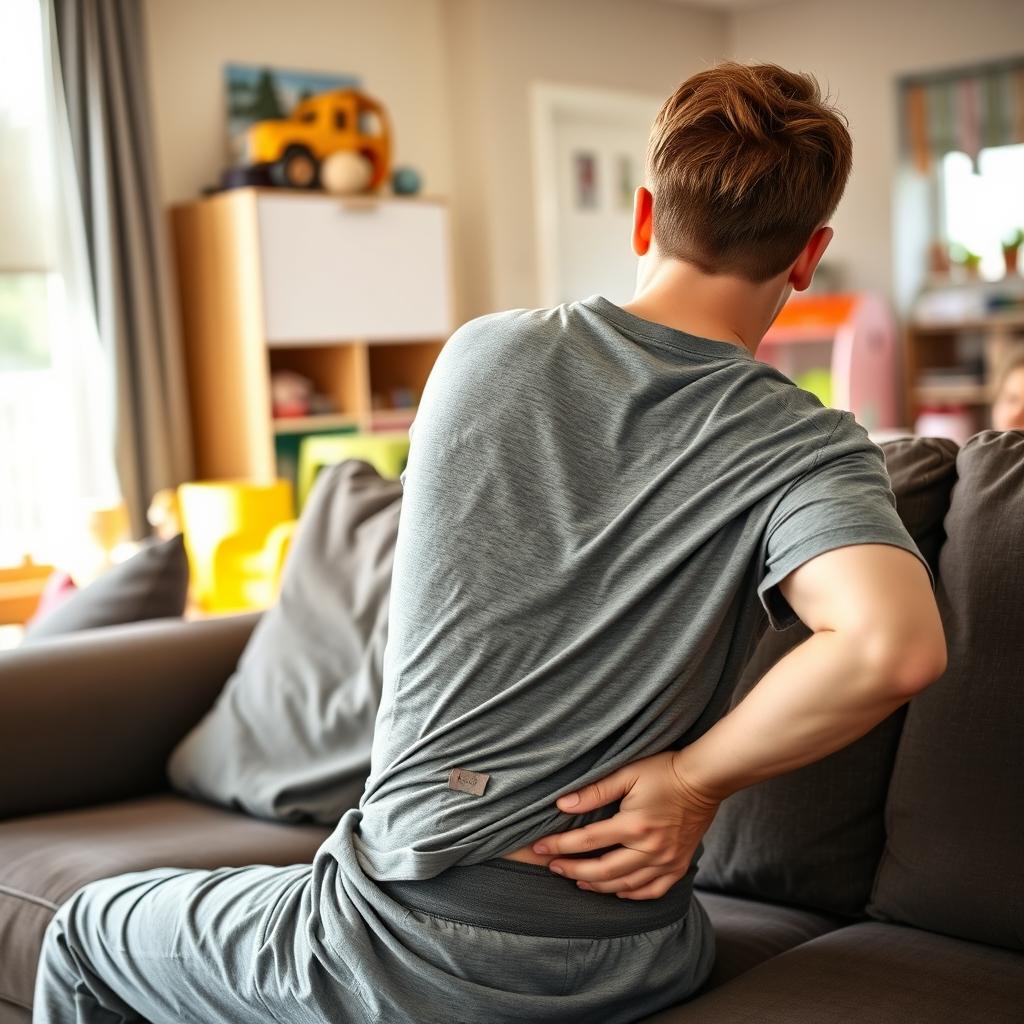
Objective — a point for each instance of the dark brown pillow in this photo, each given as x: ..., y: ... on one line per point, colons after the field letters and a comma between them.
x: 152, y: 584
x: 813, y: 837
x: 954, y: 854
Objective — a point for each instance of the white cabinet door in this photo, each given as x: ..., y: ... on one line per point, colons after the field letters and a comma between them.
x: 336, y: 270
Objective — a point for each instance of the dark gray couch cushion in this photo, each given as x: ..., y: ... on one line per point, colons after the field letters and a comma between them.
x: 290, y: 735
x: 923, y: 473
x: 868, y: 974
x: 954, y: 858
x: 152, y: 584
x: 813, y: 837
x: 748, y: 932
x: 45, y: 858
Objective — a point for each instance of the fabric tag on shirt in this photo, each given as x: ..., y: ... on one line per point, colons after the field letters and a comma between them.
x: 465, y: 781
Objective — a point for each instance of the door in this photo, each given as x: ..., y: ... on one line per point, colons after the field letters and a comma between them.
x: 590, y: 158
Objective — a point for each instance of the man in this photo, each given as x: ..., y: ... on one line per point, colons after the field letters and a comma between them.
x: 602, y: 504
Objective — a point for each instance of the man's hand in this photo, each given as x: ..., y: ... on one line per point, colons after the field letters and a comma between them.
x: 660, y: 822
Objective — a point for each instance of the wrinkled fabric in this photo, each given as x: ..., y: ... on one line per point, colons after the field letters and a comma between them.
x: 597, y: 511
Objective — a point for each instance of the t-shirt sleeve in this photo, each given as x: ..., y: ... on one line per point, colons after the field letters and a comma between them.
x: 845, y: 498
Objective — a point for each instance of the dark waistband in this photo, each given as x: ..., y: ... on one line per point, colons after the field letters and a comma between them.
x: 528, y: 899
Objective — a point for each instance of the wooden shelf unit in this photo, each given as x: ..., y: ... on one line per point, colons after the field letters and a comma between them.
x: 355, y: 296
x: 933, y: 345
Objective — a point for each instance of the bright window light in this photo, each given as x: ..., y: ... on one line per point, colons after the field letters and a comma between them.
x: 980, y: 209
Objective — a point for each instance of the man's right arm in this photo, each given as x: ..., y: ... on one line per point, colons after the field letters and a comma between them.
x: 877, y: 641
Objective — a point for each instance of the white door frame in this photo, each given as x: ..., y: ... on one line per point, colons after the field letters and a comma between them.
x: 547, y: 101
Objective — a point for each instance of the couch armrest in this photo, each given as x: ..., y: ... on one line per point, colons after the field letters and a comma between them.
x: 92, y: 717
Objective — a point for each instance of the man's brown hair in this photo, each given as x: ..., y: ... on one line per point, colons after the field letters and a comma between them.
x: 744, y: 163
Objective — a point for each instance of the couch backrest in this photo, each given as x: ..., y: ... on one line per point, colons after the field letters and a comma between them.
x: 954, y: 854
x: 813, y: 837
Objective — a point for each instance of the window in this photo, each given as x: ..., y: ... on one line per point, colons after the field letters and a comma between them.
x: 24, y: 339
x: 56, y: 451
x: 340, y: 120
x: 979, y: 209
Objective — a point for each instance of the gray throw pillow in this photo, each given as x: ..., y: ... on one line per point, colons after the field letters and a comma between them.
x: 813, y: 837
x: 152, y: 584
x: 290, y: 736
x: 954, y: 854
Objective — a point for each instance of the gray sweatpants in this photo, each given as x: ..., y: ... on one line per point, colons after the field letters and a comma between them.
x: 318, y: 943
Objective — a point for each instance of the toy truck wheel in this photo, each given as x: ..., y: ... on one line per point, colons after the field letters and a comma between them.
x: 297, y: 168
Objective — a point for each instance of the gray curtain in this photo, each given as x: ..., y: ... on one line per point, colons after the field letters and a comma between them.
x: 102, y: 57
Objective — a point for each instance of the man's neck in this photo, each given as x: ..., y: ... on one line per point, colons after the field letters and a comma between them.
x: 715, y: 306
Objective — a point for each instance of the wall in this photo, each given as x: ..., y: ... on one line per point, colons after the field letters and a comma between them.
x: 395, y: 47
x: 501, y: 48
x: 455, y: 75
x: 860, y: 49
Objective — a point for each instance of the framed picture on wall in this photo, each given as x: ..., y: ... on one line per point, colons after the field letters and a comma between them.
x: 585, y: 179
x: 625, y: 180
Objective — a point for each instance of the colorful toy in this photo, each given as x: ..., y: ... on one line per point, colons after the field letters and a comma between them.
x: 855, y: 336
x: 406, y: 181
x: 163, y: 514
x: 346, y: 173
x: 237, y: 535
x: 290, y: 393
x: 386, y: 451
x: 818, y: 381
x: 293, y: 148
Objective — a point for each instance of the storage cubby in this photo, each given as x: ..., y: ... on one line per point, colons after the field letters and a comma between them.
x: 356, y: 297
x: 402, y: 366
x: 338, y: 372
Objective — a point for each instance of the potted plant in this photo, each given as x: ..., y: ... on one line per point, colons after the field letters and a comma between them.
x: 963, y: 257
x: 1011, y: 249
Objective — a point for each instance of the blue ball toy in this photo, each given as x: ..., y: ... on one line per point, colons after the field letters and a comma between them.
x: 406, y: 181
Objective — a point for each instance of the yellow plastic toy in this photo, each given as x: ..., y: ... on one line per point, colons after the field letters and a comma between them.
x: 292, y: 148
x: 386, y: 451
x: 237, y: 536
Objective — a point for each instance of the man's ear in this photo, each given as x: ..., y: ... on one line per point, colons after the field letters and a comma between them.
x: 643, y: 220
x: 806, y: 263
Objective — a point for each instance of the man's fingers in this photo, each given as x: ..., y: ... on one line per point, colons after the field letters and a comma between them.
x: 652, y: 890
x: 596, y: 836
x: 614, y: 864
x: 605, y: 791
x: 635, y: 880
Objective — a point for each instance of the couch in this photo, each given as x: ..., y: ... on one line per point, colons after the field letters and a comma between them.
x: 882, y: 884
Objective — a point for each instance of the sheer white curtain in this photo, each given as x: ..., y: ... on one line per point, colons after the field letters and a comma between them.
x: 56, y: 382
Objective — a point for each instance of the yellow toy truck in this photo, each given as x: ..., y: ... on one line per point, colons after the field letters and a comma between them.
x: 292, y: 148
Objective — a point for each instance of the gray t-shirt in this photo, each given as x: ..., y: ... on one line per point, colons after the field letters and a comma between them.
x: 597, y: 511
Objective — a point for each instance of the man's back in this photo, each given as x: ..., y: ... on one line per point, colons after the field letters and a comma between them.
x: 582, y: 536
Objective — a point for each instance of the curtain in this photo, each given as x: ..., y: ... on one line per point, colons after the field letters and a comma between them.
x: 965, y: 110
x: 101, y: 52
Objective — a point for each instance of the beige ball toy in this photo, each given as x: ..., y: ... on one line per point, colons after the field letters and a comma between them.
x: 346, y: 173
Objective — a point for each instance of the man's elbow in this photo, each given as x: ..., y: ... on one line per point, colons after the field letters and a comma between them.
x: 913, y: 665
x: 905, y: 660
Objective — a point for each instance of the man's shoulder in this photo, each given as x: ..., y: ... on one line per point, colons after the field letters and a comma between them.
x: 506, y: 324
x: 777, y: 406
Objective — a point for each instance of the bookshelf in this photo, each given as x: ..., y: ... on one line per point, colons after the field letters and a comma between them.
x: 953, y: 361
x: 353, y: 294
